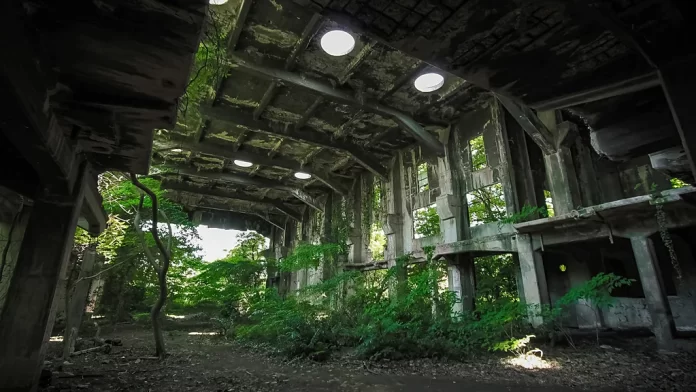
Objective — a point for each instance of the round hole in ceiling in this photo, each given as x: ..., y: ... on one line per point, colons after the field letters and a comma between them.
x: 429, y: 82
x: 242, y: 163
x: 337, y: 43
x: 303, y: 176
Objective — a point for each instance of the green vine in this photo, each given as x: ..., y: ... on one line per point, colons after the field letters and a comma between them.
x: 665, y: 236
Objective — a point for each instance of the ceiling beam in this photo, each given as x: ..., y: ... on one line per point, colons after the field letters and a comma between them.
x: 323, y: 140
x: 628, y: 86
x: 531, y: 124
x: 193, y: 189
x: 249, y: 181
x: 355, y: 63
x: 429, y: 141
x: 259, y: 159
x: 233, y: 38
x: 308, y: 113
x: 299, y: 47
x: 207, y: 206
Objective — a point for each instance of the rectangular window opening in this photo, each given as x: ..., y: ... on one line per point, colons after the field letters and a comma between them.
x: 423, y: 177
x: 486, y: 205
x: 478, y: 153
x: 549, y: 204
x: 426, y: 222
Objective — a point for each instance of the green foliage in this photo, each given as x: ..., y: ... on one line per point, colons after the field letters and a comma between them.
x: 427, y: 221
x: 596, y: 290
x: 495, y: 280
x: 478, y: 153
x: 486, y: 205
x: 527, y: 212
x: 310, y: 256
x: 677, y: 183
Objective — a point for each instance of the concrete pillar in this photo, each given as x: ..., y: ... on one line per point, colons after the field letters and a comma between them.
x: 356, y: 237
x: 27, y: 318
x: 562, y: 181
x: 393, y: 224
x: 536, y: 291
x: 561, y: 178
x: 654, y: 289
x: 78, y: 300
x: 461, y: 279
x: 17, y: 233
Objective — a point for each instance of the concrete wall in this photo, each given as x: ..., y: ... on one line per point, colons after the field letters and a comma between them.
x: 634, y: 313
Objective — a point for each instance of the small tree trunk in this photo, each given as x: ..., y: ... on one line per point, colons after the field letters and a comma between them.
x: 161, y: 271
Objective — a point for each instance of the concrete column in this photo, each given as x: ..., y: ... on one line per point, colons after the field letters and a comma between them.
x: 27, y: 318
x: 12, y: 251
x: 356, y: 237
x: 461, y: 279
x: 393, y: 224
x: 561, y: 178
x: 78, y: 300
x: 654, y: 289
x: 536, y: 291
x: 562, y: 181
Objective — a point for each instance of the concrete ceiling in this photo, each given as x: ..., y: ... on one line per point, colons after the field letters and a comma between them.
x: 287, y: 106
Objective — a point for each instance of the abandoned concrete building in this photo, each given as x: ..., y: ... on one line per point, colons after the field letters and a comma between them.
x: 565, y: 122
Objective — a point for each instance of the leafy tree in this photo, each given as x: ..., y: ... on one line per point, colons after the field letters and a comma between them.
x: 426, y: 221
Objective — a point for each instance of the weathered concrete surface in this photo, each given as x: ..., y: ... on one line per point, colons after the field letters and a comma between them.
x: 634, y: 313
x: 651, y: 278
x: 536, y: 291
x: 12, y: 251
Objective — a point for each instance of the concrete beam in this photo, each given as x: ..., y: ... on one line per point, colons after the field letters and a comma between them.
x: 233, y: 38
x: 531, y: 124
x: 27, y: 122
x: 261, y: 159
x: 250, y: 181
x: 205, y: 206
x: 623, y: 87
x: 238, y: 117
x: 347, y: 97
x: 184, y: 187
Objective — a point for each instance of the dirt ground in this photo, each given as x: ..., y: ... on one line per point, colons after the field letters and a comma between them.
x: 199, y: 361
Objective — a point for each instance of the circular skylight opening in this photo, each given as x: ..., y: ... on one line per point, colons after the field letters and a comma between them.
x: 177, y: 150
x: 241, y: 163
x: 218, y: 2
x: 429, y: 82
x: 337, y: 43
x: 303, y: 176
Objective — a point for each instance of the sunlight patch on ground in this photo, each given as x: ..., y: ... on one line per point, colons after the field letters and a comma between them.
x: 530, y: 361
x: 176, y: 316
x: 56, y: 339
x: 202, y: 333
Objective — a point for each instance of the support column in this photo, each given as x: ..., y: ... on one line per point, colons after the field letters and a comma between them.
x: 27, y: 318
x: 393, y: 224
x: 587, y: 314
x: 358, y: 247
x: 562, y: 181
x: 561, y: 177
x: 536, y: 291
x: 78, y: 300
x: 17, y: 233
x: 461, y: 279
x: 654, y: 289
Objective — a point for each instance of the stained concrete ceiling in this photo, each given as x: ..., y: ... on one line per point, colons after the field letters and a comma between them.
x: 287, y: 106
